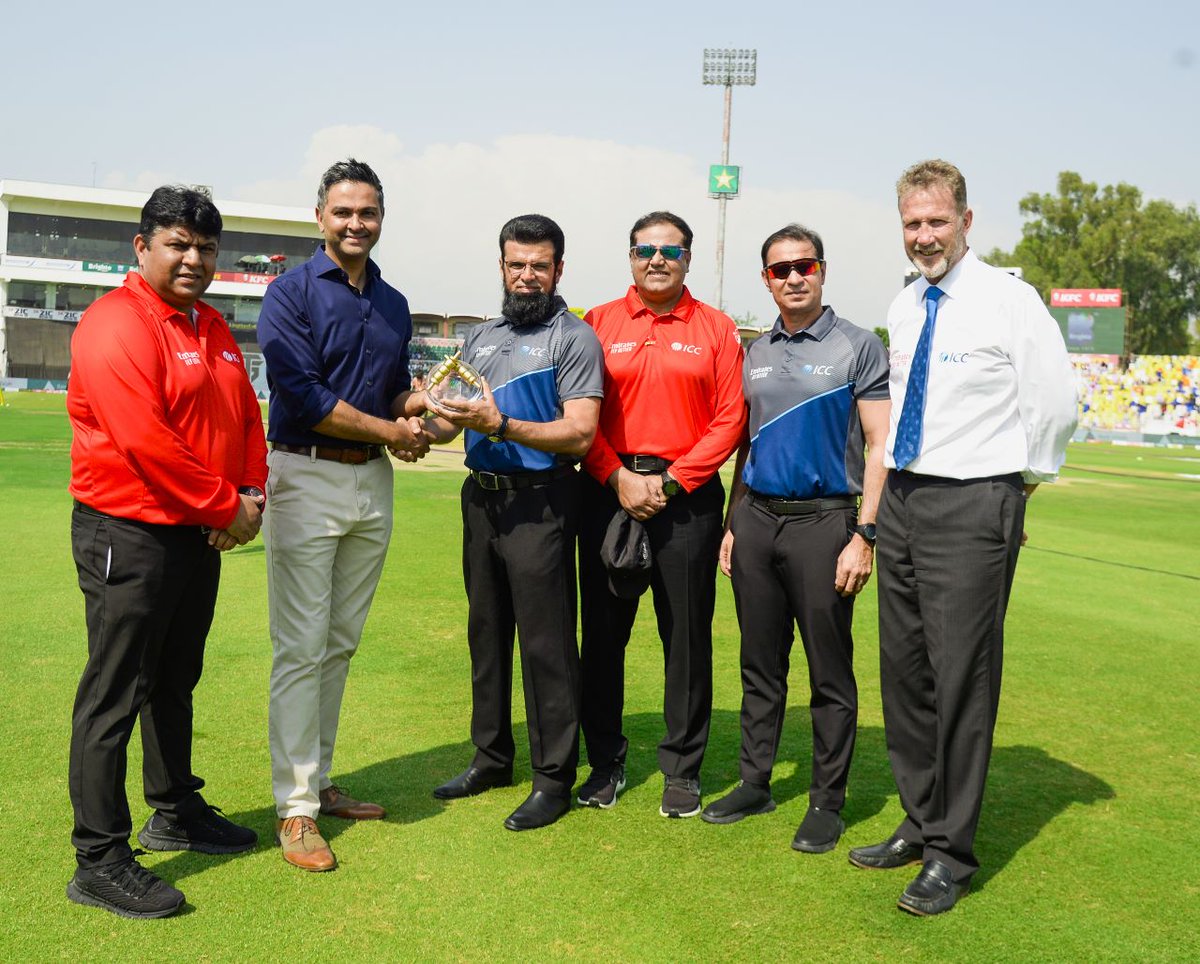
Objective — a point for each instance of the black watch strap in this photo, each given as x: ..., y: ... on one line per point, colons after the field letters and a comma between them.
x: 867, y: 531
x: 498, y: 435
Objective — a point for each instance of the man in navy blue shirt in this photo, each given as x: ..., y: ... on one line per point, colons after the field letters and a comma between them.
x: 798, y: 545
x: 544, y: 375
x: 335, y: 337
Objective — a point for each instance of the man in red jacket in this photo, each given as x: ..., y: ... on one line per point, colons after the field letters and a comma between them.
x: 168, y: 464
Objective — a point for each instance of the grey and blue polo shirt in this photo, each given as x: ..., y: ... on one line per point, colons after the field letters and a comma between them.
x: 532, y: 369
x: 806, y: 441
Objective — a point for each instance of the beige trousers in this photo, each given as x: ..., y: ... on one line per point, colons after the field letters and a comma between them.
x: 326, y: 531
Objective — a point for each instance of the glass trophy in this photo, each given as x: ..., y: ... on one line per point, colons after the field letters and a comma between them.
x: 453, y: 381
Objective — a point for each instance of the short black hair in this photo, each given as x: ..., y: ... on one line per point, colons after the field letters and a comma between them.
x: 534, y: 229
x: 176, y: 204
x: 794, y: 232
x: 661, y: 217
x: 348, y: 170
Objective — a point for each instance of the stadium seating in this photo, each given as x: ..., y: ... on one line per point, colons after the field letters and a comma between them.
x: 1153, y: 393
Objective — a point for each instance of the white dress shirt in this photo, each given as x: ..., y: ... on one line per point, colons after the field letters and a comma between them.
x: 1001, y: 393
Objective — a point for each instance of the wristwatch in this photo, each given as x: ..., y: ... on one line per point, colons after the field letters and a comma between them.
x: 867, y: 531
x: 255, y: 493
x: 669, y: 486
x: 498, y: 435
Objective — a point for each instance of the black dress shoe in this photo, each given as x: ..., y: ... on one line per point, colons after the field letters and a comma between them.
x: 819, y: 831
x: 540, y: 809
x: 745, y: 800
x: 472, y: 781
x: 932, y: 891
x: 893, y: 852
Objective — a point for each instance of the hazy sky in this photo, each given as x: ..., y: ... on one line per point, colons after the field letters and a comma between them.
x: 594, y: 114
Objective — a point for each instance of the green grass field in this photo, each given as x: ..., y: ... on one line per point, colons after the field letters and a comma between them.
x: 1087, y: 829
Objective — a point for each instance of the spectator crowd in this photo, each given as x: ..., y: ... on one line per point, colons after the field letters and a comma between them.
x: 1152, y: 388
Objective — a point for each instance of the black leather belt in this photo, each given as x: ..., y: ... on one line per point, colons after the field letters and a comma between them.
x: 330, y: 453
x: 494, y: 482
x: 645, y: 464
x: 803, y: 506
x: 1008, y: 478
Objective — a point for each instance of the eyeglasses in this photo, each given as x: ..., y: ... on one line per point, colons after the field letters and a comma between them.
x: 782, y: 270
x: 537, y: 267
x: 644, y: 252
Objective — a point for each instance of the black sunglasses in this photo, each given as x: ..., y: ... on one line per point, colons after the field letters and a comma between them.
x: 782, y: 270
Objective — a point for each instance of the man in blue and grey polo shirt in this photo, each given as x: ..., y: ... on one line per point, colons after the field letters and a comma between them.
x: 544, y: 377
x: 816, y: 387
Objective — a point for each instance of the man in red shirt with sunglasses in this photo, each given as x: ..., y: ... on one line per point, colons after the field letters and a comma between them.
x: 671, y: 416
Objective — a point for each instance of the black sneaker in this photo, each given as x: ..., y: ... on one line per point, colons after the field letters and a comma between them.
x: 746, y: 800
x: 602, y: 788
x: 819, y: 831
x: 681, y: 797
x: 125, y: 888
x: 208, y: 832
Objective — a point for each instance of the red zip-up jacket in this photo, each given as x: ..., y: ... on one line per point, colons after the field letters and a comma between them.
x: 166, y: 424
x: 672, y: 387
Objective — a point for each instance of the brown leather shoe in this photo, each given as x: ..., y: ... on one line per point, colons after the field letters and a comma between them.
x: 302, y: 843
x: 336, y: 802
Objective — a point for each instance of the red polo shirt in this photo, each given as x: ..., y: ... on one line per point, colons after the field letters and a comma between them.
x: 672, y: 387
x: 166, y: 424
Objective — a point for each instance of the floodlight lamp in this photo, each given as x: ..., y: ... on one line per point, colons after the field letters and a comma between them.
x: 730, y: 66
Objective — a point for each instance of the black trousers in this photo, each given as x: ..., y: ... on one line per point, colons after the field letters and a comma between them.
x: 684, y: 539
x: 783, y: 574
x: 947, y: 553
x: 149, y: 593
x: 519, y: 570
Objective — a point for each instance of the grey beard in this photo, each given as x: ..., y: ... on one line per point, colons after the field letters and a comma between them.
x: 525, y: 309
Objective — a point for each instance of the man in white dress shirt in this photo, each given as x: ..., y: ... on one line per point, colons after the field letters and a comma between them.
x: 983, y: 405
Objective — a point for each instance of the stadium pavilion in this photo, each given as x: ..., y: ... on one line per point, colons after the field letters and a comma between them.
x: 63, y: 246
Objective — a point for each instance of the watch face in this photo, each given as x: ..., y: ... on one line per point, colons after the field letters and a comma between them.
x: 867, y: 531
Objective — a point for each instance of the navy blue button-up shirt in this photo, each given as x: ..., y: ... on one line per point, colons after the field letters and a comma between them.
x: 324, y: 341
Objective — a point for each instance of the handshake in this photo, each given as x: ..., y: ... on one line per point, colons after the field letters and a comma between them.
x: 466, y: 402
x: 410, y: 439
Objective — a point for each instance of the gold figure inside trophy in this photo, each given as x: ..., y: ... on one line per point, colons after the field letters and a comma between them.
x: 453, y: 381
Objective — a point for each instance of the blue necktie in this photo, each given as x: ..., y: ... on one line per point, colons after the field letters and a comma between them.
x: 912, y: 417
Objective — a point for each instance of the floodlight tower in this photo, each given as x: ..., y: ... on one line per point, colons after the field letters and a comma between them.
x: 727, y: 66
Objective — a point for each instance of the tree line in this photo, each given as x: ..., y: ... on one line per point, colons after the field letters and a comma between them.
x: 1086, y: 236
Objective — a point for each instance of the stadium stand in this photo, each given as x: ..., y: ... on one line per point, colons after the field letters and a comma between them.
x: 1152, y: 393
x: 426, y: 353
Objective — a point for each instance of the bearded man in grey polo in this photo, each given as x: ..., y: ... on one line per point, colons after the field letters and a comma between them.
x: 543, y: 372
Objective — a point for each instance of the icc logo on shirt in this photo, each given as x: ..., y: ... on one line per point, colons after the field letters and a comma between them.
x: 686, y: 349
